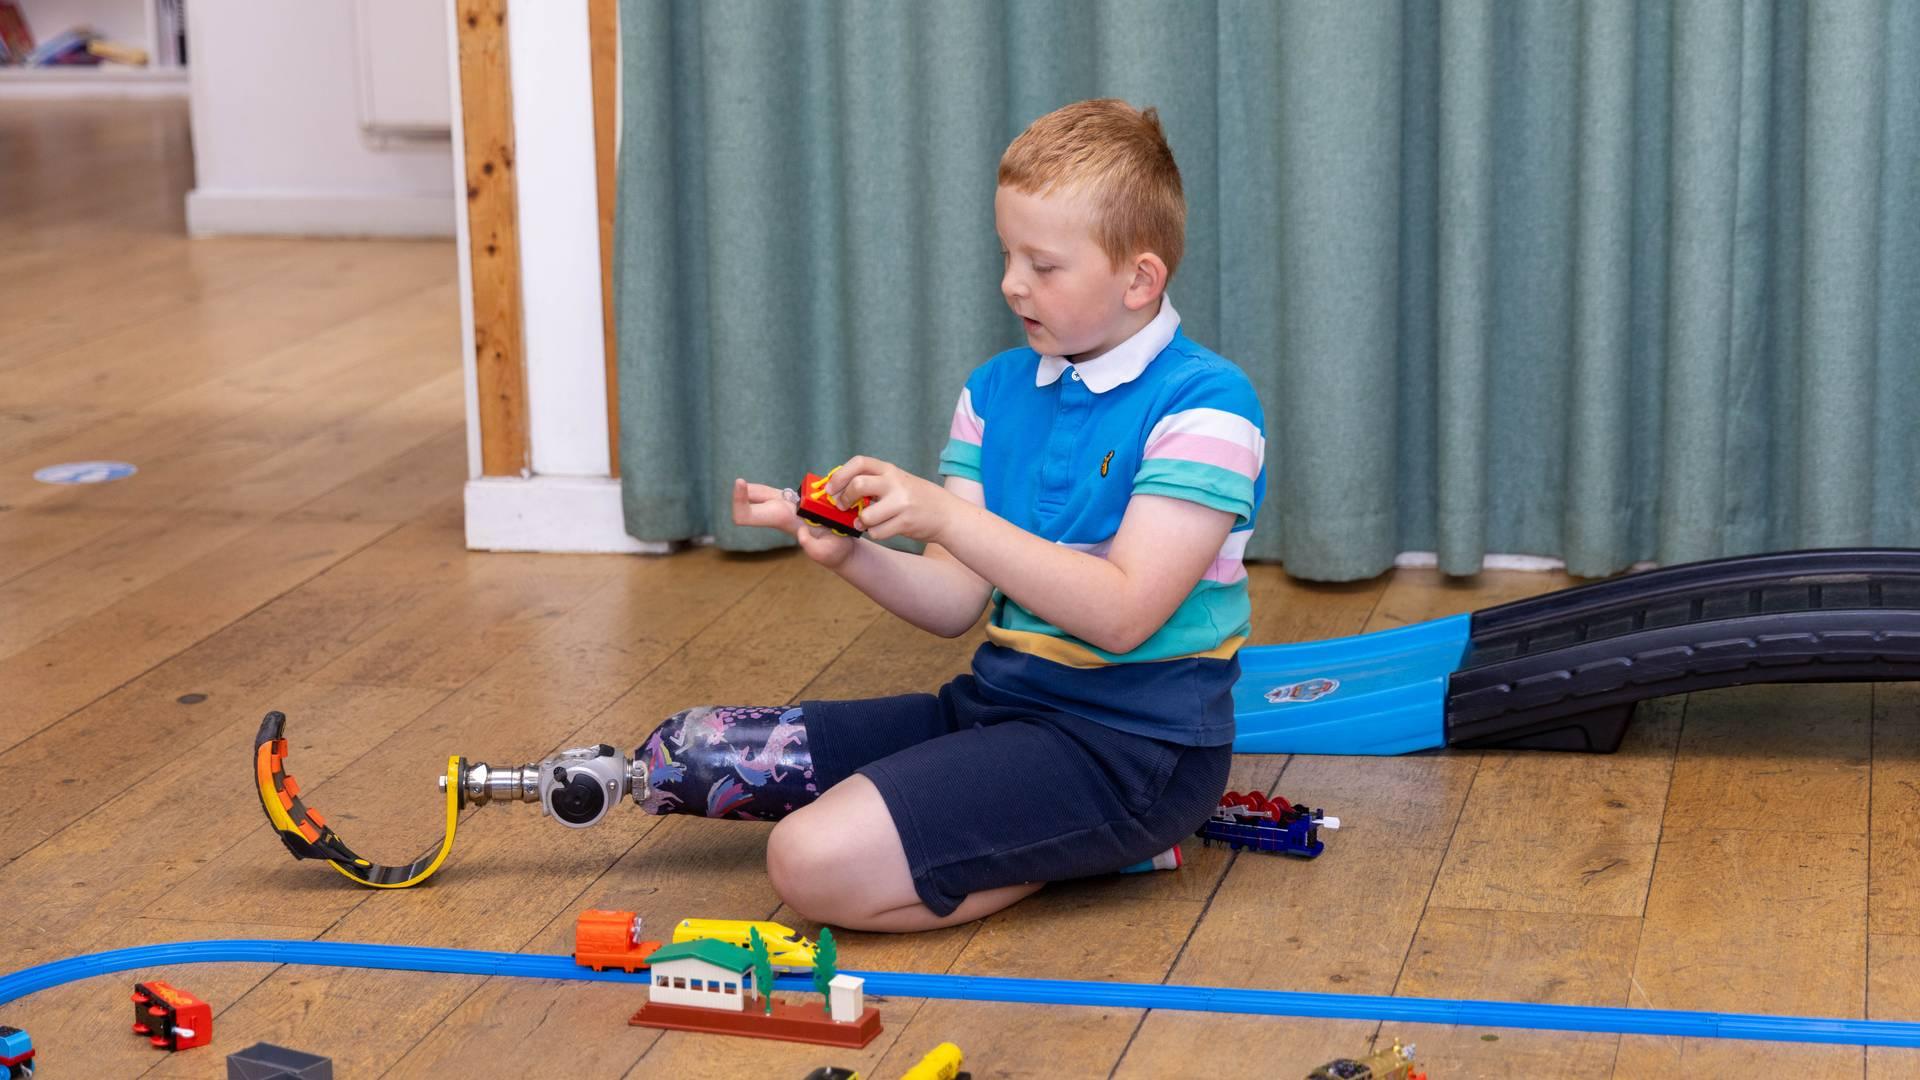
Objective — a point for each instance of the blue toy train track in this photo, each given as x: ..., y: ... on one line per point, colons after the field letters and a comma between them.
x: 1498, y: 1014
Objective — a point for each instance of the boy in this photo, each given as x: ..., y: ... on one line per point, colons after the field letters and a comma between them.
x: 1100, y: 488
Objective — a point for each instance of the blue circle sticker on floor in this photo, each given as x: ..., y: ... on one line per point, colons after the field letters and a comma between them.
x: 85, y: 472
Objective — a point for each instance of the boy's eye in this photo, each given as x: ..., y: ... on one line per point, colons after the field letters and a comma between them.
x: 1038, y: 269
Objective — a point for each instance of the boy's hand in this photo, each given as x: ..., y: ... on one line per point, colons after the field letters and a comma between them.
x: 902, y: 504
x: 760, y: 505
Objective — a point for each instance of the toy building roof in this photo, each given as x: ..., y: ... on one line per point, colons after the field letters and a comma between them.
x: 718, y: 953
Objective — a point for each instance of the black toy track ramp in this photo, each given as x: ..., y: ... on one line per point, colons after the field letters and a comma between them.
x: 1563, y: 671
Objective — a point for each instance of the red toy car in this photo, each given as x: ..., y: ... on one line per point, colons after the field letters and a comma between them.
x: 819, y: 508
x: 171, y: 1019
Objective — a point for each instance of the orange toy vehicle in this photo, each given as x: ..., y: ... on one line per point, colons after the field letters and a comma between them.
x: 610, y: 939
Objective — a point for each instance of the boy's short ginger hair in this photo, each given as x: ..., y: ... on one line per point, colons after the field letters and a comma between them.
x: 1118, y: 156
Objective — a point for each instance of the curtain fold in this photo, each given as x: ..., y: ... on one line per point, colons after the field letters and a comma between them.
x: 1607, y: 282
x: 1463, y: 280
x: 1598, y: 525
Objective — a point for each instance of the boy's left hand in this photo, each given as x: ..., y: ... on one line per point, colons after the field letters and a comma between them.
x: 902, y: 504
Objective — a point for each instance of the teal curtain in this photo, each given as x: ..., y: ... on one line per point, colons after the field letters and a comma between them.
x: 1608, y: 281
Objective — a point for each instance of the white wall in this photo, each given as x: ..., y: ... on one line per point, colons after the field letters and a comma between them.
x: 278, y: 140
x: 555, y: 177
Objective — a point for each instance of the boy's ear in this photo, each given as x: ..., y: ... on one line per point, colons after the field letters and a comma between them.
x: 1149, y: 281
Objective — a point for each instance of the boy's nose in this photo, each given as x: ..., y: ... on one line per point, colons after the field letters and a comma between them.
x: 1011, y: 286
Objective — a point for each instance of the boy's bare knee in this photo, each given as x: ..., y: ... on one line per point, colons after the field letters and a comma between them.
x: 785, y: 859
x: 800, y: 864
x: 838, y: 861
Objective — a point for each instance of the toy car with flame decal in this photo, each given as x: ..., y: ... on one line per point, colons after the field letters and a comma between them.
x: 819, y: 508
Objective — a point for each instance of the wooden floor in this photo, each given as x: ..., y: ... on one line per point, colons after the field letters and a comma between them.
x: 293, y: 541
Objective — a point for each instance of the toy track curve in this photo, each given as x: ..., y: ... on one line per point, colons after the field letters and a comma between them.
x: 1563, y: 671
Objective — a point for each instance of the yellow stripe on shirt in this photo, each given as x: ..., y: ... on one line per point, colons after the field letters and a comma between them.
x: 1073, y: 654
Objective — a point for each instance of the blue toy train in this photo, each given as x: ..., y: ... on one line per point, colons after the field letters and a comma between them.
x: 16, y: 1053
x: 1251, y: 820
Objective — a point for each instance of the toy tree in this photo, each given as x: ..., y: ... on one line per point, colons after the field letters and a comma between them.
x: 762, y: 968
x: 823, y: 968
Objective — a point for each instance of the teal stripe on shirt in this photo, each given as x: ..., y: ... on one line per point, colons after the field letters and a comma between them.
x: 1195, y: 481
x: 961, y: 459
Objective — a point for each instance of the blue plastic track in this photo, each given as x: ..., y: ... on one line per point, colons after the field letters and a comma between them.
x: 1380, y: 693
x: 1501, y: 1014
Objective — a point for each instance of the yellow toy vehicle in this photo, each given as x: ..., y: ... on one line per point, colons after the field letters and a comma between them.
x: 941, y: 1063
x: 786, y: 949
x: 1393, y: 1063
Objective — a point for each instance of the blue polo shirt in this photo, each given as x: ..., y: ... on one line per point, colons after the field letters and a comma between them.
x: 1060, y: 449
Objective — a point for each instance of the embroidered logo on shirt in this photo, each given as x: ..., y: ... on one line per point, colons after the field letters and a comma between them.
x: 1104, y: 462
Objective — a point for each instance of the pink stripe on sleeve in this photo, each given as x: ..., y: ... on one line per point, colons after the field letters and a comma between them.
x: 965, y: 428
x: 1207, y: 450
x: 1225, y: 571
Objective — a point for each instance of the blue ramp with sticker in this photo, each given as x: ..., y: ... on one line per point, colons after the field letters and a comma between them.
x: 1381, y: 693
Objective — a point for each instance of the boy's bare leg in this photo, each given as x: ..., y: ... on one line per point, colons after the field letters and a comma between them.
x: 839, y: 861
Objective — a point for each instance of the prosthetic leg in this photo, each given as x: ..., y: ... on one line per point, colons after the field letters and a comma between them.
x: 743, y: 762
x: 726, y: 761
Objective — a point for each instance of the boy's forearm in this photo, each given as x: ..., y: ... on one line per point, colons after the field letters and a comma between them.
x: 937, y: 595
x: 1083, y: 594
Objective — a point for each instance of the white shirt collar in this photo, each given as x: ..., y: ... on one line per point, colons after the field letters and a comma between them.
x: 1121, y: 364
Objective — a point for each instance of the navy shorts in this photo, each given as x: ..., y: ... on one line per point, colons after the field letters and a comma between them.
x: 986, y: 794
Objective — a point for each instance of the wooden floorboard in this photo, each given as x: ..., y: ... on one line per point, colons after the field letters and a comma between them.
x: 294, y: 540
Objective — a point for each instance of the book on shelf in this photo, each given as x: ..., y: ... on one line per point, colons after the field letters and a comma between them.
x: 16, y: 41
x: 63, y: 49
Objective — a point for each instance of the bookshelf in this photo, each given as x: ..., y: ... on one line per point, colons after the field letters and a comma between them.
x: 157, y: 26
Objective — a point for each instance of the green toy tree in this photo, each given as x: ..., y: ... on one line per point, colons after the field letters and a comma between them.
x: 762, y: 968
x: 823, y: 971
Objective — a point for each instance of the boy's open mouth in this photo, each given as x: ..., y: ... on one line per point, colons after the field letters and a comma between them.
x: 1030, y: 324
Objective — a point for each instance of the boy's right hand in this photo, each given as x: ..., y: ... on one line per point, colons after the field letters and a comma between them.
x: 760, y: 505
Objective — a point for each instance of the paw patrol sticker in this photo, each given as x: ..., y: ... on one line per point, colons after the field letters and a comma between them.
x: 1311, y: 690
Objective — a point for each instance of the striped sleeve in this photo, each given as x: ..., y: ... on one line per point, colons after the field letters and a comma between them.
x: 961, y: 456
x: 1209, y: 446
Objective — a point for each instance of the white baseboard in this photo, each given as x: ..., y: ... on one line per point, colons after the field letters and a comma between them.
x: 104, y: 81
x: 1427, y: 560
x: 550, y: 513
x: 315, y: 213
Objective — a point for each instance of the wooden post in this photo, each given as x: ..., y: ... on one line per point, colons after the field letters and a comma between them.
x: 486, y: 111
x: 603, y: 23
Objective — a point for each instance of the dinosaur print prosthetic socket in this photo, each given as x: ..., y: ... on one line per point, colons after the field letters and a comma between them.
x: 731, y: 761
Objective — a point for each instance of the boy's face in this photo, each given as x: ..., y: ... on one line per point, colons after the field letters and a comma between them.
x: 1070, y: 297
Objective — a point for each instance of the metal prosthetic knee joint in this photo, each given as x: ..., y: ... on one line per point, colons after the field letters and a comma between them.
x: 577, y: 786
